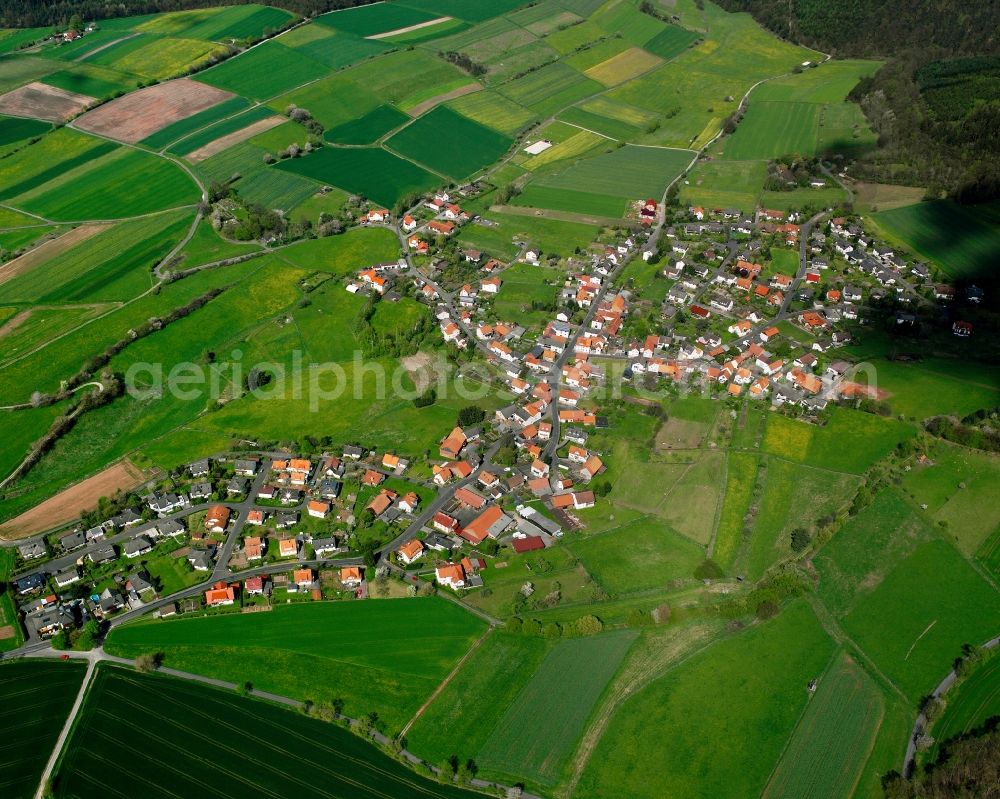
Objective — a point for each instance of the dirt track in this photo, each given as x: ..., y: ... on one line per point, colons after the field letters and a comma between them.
x: 407, y: 29
x: 430, y: 102
x: 43, y: 102
x: 48, y: 250
x: 140, y: 114
x: 69, y: 503
x: 227, y: 141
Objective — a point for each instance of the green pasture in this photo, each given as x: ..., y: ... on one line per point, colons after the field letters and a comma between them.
x: 537, y: 733
x: 388, y: 655
x: 630, y: 172
x: 754, y: 681
x: 369, y: 127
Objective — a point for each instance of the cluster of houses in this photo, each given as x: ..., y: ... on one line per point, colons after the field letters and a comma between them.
x: 447, y: 216
x: 377, y: 280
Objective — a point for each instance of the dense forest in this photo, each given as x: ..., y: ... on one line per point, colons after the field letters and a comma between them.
x: 42, y: 13
x: 934, y: 104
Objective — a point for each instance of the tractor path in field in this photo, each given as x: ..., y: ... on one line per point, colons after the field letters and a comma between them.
x: 445, y: 682
x: 40, y: 792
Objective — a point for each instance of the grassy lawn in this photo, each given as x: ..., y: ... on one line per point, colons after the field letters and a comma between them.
x: 388, y: 655
x: 36, y: 696
x: 673, y: 738
x: 939, y: 386
x: 121, y: 702
x: 741, y: 473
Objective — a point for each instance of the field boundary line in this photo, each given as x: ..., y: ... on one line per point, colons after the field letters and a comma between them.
x: 444, y: 683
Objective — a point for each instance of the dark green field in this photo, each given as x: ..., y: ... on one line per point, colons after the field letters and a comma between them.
x: 185, y: 126
x: 373, y: 19
x: 963, y: 241
x: 671, y: 41
x: 372, y: 172
x: 14, y: 129
x: 244, y: 747
x: 367, y: 128
x: 35, y: 697
x: 450, y: 143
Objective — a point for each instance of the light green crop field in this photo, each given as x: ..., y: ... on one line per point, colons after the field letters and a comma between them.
x: 630, y: 172
x: 755, y: 680
x: 94, y: 190
x: 832, y: 740
x: 578, y: 202
x: 830, y: 82
x: 388, y: 655
x: 493, y: 110
x: 37, y: 697
x: 120, y: 701
x: 539, y: 730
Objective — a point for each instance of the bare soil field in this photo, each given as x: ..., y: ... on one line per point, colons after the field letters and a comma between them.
x: 430, y: 102
x: 227, y: 141
x: 43, y: 102
x: 47, y: 251
x: 140, y: 114
x: 70, y: 503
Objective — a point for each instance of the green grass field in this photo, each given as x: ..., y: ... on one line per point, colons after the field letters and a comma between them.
x: 671, y: 41
x: 916, y: 621
x: 960, y: 241
x: 264, y: 71
x: 462, y: 717
x: 371, y: 172
x: 629, y: 172
x: 831, y: 743
x: 15, y: 129
x: 116, y: 264
x: 36, y: 697
x: 794, y: 496
x: 449, y: 143
x: 373, y: 19
x: 538, y: 732
x: 163, y: 717
x: 388, y: 655
x: 493, y: 110
x: 971, y: 703
x: 740, y: 477
x: 577, y: 202
x: 724, y: 184
x: 94, y: 189
x: 369, y: 127
x: 674, y: 737
x: 850, y: 442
